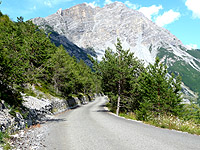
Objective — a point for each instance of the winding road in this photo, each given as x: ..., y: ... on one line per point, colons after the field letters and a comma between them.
x: 91, y: 127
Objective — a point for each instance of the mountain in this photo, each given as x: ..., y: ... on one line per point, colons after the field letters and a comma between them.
x: 72, y: 49
x: 95, y: 29
x: 59, y: 39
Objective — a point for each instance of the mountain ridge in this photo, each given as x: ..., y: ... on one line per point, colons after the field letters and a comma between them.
x: 81, y: 21
x: 99, y: 28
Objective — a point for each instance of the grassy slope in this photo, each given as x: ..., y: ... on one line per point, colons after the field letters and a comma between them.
x: 190, y: 76
x: 195, y: 53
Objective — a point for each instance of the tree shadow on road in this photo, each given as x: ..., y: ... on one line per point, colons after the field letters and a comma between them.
x: 55, y: 120
x: 103, y: 105
x: 102, y: 110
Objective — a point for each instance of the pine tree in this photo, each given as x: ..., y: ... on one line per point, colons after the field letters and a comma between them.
x: 159, y: 92
x: 118, y: 72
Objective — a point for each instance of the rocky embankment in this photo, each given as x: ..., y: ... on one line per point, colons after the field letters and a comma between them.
x: 36, y: 111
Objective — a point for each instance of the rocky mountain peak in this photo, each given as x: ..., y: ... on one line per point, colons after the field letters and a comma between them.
x: 100, y: 27
x: 115, y: 5
x: 80, y: 10
x: 59, y: 12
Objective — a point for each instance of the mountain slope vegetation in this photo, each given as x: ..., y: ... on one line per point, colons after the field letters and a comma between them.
x: 189, y: 71
x: 28, y: 56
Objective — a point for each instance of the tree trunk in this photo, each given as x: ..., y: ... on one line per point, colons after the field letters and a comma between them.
x: 119, y: 86
x: 118, y: 100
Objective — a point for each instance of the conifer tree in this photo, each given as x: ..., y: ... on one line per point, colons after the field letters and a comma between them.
x: 119, y: 71
x: 159, y: 93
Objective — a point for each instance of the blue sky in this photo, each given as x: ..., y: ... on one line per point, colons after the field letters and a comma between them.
x: 180, y: 17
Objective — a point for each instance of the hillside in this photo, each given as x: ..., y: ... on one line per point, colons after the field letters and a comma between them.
x: 27, y: 56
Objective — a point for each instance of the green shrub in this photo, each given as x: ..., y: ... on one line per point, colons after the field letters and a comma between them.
x: 4, y: 136
x: 7, y: 146
x: 29, y: 92
x: 1, y: 137
x: 129, y: 115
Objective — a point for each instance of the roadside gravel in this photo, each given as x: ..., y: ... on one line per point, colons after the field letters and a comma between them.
x: 33, y: 138
x: 30, y: 139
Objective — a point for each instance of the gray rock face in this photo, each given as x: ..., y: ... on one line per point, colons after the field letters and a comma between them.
x: 99, y: 28
x: 9, y: 121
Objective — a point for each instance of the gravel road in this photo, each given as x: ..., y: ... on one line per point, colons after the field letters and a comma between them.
x: 91, y: 127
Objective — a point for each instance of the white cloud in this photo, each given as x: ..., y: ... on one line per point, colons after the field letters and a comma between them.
x: 33, y: 8
x: 92, y: 4
x: 107, y: 2
x: 194, y: 6
x: 51, y: 3
x: 131, y: 5
x: 150, y: 11
x: 192, y: 46
x: 48, y: 3
x: 167, y: 18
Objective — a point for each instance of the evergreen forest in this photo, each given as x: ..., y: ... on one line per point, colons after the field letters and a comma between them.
x: 28, y: 56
